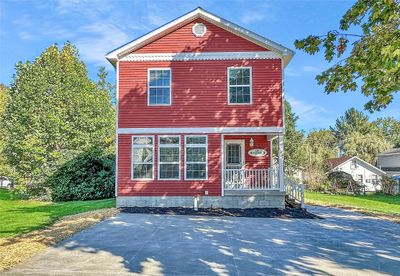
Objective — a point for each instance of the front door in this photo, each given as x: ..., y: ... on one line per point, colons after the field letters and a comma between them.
x: 234, y: 154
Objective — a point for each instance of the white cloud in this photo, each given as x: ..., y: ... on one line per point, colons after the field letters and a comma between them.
x: 310, y: 115
x: 311, y: 69
x: 292, y: 73
x: 251, y: 17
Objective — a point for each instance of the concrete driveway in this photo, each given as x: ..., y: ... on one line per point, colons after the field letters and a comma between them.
x: 344, y: 243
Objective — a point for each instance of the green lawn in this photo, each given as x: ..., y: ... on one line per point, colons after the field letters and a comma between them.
x: 371, y: 203
x: 22, y: 216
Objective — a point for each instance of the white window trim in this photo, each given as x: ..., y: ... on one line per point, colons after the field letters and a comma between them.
x: 142, y: 146
x: 169, y: 146
x: 197, y: 146
x: 148, y: 86
x: 249, y: 85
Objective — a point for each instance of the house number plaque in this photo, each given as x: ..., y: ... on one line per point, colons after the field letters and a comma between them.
x: 257, y: 152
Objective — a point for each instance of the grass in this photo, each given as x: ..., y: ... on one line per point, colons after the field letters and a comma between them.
x: 374, y: 203
x: 23, y: 216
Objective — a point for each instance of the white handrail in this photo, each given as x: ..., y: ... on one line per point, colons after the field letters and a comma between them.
x: 250, y: 179
x: 295, y: 191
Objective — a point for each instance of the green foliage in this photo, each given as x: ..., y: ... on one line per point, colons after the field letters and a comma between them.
x: 391, y: 129
x: 5, y: 169
x: 55, y: 113
x: 352, y: 121
x: 90, y: 175
x: 293, y: 140
x: 320, y: 145
x: 365, y: 146
x: 373, y: 57
x: 388, y: 185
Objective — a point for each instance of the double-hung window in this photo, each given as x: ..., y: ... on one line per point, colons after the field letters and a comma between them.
x: 142, y: 157
x: 195, y: 157
x: 169, y: 149
x: 159, y: 86
x: 239, y: 85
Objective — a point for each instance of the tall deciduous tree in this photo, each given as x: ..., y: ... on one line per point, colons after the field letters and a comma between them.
x: 55, y: 113
x: 5, y: 169
x: 352, y: 121
x: 293, y: 140
x: 391, y: 129
x: 373, y: 59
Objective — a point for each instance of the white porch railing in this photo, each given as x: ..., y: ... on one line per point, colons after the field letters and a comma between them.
x: 295, y: 191
x: 251, y: 179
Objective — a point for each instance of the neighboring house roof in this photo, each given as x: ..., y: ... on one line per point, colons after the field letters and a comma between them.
x: 389, y: 152
x: 336, y: 162
x: 125, y: 49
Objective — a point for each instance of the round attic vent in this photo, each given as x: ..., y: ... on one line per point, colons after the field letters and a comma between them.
x: 199, y: 29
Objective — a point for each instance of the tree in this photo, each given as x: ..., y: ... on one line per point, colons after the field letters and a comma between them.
x: 293, y: 140
x: 366, y: 146
x: 5, y: 169
x: 320, y: 145
x: 391, y: 129
x: 373, y: 60
x: 352, y: 121
x: 55, y: 113
x: 104, y: 85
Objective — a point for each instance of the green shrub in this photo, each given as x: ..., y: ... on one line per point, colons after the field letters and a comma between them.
x: 91, y: 175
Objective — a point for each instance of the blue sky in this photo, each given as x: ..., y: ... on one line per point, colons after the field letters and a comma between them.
x: 96, y: 27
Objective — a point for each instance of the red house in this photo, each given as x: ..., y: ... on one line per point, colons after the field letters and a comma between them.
x: 199, y: 104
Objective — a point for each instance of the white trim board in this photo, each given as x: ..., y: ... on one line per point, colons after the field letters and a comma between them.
x: 201, y: 56
x: 122, y: 51
x: 204, y: 130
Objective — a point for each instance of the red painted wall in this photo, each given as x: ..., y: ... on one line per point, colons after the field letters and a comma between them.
x: 199, y: 95
x: 215, y: 39
x: 127, y: 187
x: 260, y: 142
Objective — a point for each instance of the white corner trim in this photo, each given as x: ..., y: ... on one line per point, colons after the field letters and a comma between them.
x: 203, y: 130
x: 201, y: 56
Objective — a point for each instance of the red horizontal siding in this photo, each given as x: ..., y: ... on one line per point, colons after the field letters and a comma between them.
x: 215, y: 39
x: 199, y: 95
x: 128, y: 187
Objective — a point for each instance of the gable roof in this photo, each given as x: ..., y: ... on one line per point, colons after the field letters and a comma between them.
x: 116, y: 54
x: 336, y: 162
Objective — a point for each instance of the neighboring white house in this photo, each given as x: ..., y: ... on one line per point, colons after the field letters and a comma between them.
x: 389, y: 162
x: 361, y: 171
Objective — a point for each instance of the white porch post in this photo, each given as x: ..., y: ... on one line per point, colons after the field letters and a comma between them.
x: 280, y: 159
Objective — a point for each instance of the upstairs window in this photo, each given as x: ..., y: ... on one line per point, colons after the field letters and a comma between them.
x: 239, y: 85
x: 159, y: 86
x: 169, y: 157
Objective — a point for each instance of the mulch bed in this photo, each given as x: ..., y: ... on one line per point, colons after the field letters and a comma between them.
x: 253, y: 213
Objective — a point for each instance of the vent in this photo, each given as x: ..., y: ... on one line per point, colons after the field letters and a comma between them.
x: 199, y: 29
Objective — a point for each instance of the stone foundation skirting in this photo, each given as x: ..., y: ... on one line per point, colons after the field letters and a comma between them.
x: 273, y: 200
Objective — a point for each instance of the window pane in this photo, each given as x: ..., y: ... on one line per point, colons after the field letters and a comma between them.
x: 142, y: 155
x: 159, y: 95
x: 196, y: 140
x: 196, y: 171
x: 169, y: 171
x: 142, y: 140
x: 169, y: 154
x: 233, y: 153
x: 195, y: 154
x: 142, y: 171
x: 169, y: 140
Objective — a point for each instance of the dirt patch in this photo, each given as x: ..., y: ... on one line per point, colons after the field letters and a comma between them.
x: 392, y: 218
x: 254, y: 213
x: 17, y: 249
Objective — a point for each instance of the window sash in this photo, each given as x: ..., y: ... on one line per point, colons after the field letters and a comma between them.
x: 160, y: 163
x: 150, y: 87
x: 135, y: 164
x: 205, y: 163
x: 242, y: 95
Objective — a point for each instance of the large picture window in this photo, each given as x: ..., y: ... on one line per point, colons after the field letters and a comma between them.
x: 169, y: 149
x: 195, y: 157
x: 159, y: 86
x: 142, y: 157
x: 239, y: 85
